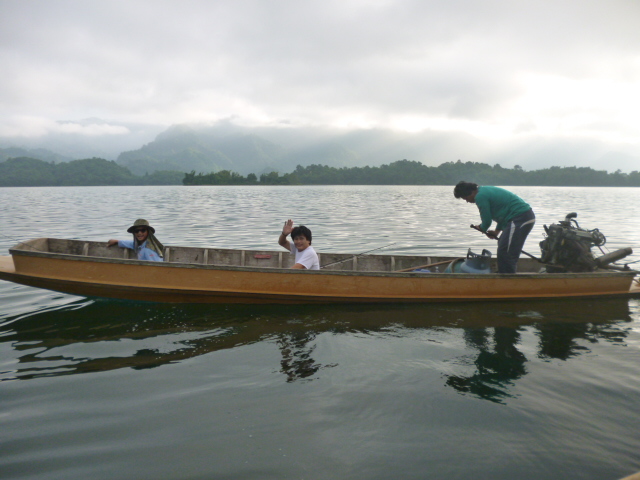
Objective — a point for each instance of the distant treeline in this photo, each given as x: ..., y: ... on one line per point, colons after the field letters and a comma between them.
x: 405, y: 172
x: 30, y: 172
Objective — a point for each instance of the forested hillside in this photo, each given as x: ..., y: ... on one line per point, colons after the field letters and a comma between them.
x: 39, y: 153
x: 182, y: 148
x: 29, y: 172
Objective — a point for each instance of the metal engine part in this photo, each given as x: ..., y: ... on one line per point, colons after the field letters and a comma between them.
x: 567, y: 247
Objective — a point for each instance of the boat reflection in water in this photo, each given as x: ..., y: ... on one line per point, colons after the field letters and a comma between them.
x: 101, y: 335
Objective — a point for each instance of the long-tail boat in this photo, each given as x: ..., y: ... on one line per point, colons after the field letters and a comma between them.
x: 216, y: 275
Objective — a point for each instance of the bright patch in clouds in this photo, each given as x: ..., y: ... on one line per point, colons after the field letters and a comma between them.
x: 597, y: 108
x: 481, y: 129
x: 25, y: 126
x: 92, y: 129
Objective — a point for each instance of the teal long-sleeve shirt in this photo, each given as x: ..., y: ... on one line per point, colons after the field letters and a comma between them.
x: 498, y: 204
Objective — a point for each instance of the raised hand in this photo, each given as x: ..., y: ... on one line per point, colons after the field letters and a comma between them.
x: 288, y: 227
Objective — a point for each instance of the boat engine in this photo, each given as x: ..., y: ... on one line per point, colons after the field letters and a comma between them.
x: 567, y: 247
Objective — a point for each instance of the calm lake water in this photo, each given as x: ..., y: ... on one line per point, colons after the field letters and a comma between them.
x: 103, y: 389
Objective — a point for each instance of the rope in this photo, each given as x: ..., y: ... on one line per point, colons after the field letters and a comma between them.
x: 358, y: 255
x: 22, y: 243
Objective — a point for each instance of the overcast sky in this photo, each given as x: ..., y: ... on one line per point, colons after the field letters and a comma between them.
x: 504, y: 71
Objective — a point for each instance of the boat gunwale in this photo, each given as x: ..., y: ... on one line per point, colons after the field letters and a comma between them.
x: 134, y: 262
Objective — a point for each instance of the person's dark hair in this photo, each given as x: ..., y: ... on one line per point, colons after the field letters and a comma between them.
x: 301, y: 230
x: 464, y: 189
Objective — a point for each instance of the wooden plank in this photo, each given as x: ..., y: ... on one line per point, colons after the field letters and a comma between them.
x: 427, y: 265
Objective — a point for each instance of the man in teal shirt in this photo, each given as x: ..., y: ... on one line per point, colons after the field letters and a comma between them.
x: 513, y: 216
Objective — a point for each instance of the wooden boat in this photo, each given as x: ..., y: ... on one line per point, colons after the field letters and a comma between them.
x: 214, y: 275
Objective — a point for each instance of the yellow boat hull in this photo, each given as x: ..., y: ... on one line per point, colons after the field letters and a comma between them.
x: 88, y: 275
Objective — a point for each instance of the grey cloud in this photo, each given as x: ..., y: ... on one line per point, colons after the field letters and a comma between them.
x: 301, y: 61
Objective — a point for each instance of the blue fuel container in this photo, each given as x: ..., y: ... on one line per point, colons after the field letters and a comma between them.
x: 475, y: 263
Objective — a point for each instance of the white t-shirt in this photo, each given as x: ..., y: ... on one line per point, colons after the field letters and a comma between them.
x: 308, y: 257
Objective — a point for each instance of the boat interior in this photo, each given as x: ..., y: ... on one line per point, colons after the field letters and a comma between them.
x: 263, y: 258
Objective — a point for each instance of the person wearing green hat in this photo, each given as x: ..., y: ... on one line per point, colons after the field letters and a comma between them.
x: 144, y: 243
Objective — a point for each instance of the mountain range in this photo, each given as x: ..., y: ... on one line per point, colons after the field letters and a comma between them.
x: 227, y: 146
